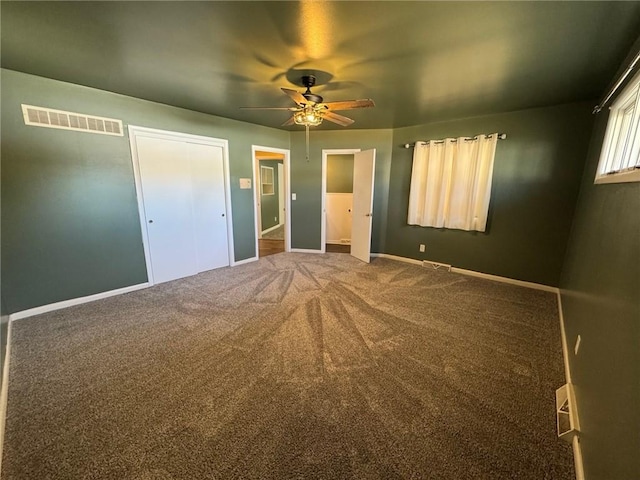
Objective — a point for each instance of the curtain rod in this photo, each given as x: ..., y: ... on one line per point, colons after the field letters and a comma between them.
x: 615, y: 88
x: 501, y: 136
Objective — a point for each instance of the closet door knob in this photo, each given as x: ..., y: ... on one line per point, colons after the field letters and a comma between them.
x: 150, y: 221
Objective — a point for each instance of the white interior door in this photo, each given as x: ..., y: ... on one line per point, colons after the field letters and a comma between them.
x: 207, y: 174
x: 363, y: 175
x: 165, y: 175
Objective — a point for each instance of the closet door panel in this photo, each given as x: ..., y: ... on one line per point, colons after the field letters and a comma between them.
x: 166, y: 181
x: 210, y: 223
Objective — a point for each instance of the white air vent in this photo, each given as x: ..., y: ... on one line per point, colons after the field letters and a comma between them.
x: 566, y: 413
x: 47, y: 117
x: 436, y: 265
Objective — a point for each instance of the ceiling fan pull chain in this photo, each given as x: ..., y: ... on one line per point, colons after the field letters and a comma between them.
x: 307, y: 135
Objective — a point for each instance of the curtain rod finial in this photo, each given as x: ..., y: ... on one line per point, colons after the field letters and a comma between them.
x: 406, y: 145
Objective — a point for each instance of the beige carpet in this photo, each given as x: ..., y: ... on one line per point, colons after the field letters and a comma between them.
x: 298, y: 366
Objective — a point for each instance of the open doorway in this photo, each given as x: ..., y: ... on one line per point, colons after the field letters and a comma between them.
x: 271, y: 186
x: 338, y: 195
x: 347, y: 201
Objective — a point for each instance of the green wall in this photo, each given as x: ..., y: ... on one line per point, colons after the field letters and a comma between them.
x: 340, y: 173
x: 270, y: 204
x: 306, y: 182
x: 600, y: 290
x: 70, y: 220
x: 536, y: 178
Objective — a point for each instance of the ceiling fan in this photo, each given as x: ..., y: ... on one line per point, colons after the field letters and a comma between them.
x: 311, y: 110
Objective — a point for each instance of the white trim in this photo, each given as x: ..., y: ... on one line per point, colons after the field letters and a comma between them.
x: 246, y: 260
x: 577, y: 457
x: 282, y: 196
x: 134, y: 132
x: 323, y: 212
x: 512, y: 281
x: 575, y: 442
x: 286, y: 163
x: 621, y: 177
x: 471, y: 273
x: 4, y: 393
x: 75, y: 301
x: 305, y: 250
x: 563, y: 336
x: 271, y: 229
x: 397, y: 258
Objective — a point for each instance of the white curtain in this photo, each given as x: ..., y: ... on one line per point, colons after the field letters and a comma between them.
x: 451, y: 182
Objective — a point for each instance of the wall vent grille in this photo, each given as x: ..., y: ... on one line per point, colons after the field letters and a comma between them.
x: 50, y: 118
x: 436, y: 265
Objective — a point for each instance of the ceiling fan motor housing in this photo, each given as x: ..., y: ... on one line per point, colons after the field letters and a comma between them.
x: 309, y: 81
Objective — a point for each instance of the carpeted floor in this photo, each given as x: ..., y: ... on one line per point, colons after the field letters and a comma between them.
x: 298, y: 366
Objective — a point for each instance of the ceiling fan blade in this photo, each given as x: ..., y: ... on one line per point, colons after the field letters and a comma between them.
x: 350, y: 104
x: 288, y: 122
x: 291, y: 109
x: 295, y: 96
x: 336, y: 118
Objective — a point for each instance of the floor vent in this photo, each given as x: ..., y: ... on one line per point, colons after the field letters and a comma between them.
x: 436, y: 265
x: 47, y: 117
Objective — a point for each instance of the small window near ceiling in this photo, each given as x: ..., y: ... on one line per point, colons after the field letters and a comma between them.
x: 266, y: 180
x: 620, y: 157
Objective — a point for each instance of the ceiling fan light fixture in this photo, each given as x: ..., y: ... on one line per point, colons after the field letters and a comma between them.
x: 307, y: 117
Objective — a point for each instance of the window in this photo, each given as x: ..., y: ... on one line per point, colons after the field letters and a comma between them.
x: 620, y: 157
x: 266, y: 180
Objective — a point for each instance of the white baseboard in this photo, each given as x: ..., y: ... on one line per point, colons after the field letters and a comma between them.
x: 4, y: 392
x: 271, y: 229
x: 246, y: 260
x: 472, y: 273
x: 563, y: 336
x: 412, y: 261
x: 575, y: 443
x: 74, y: 301
x: 512, y: 281
x: 577, y: 458
x: 305, y: 250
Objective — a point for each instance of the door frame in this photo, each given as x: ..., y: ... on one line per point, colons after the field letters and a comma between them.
x: 138, y: 131
x: 325, y: 154
x: 287, y: 193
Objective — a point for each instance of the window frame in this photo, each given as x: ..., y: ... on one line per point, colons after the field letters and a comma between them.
x: 620, y: 154
x: 264, y: 176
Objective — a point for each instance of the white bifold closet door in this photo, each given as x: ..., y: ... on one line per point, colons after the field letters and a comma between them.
x: 184, y: 206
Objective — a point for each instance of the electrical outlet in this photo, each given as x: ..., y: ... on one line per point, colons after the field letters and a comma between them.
x: 275, y: 219
x: 577, y: 347
x: 422, y: 247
